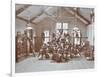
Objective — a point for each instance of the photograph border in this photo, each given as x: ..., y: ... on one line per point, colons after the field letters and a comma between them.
x: 66, y: 4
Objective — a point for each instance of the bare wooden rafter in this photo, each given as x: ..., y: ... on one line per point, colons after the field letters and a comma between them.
x: 71, y: 10
x: 78, y: 16
x: 23, y: 19
x: 22, y: 9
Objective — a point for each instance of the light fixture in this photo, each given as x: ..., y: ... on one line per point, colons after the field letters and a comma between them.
x: 28, y: 25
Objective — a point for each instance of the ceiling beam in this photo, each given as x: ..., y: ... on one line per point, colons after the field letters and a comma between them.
x: 77, y: 12
x: 42, y: 12
x: 78, y: 16
x: 22, y: 9
x: 27, y: 21
x: 22, y: 19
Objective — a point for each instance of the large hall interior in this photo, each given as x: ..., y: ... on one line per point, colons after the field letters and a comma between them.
x: 53, y: 38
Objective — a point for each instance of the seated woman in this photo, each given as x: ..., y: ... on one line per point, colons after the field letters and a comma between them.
x: 40, y: 56
x: 54, y: 55
x: 88, y: 51
x: 61, y: 54
x: 75, y: 52
x: 47, y: 55
x: 57, y: 56
x: 66, y: 53
x: 43, y: 54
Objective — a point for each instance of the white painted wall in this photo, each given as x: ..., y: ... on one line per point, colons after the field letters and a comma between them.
x: 20, y: 25
x: 90, y: 33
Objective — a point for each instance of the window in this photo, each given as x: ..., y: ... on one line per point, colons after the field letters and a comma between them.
x: 65, y: 27
x: 76, y: 36
x: 58, y: 25
x: 46, y: 34
x: 61, y: 27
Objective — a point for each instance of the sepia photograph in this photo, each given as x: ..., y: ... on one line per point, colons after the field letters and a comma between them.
x: 53, y: 38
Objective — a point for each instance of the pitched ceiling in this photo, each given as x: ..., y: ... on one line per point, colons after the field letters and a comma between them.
x: 35, y: 13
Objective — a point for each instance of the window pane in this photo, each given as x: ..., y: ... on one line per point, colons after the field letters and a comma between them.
x: 76, y: 35
x: 79, y: 33
x: 58, y: 25
x: 46, y: 40
x: 65, y: 25
x: 46, y: 33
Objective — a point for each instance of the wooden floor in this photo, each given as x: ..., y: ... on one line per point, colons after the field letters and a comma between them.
x: 32, y: 64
